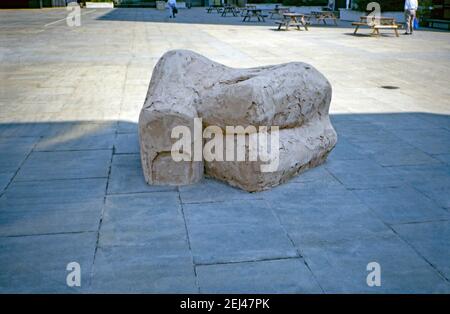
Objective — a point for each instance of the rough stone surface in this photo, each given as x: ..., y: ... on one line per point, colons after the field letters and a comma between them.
x: 185, y: 85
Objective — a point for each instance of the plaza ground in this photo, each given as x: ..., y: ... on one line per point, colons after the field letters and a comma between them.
x: 71, y: 186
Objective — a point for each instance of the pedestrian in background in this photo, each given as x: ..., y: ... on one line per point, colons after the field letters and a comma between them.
x: 172, y: 8
x: 410, y: 14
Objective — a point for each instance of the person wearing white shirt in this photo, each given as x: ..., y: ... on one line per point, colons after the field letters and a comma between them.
x: 410, y: 14
x: 172, y: 4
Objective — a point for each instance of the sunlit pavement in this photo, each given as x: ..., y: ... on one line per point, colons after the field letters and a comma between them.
x: 72, y: 190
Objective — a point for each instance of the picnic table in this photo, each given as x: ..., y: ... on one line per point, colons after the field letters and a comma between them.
x: 247, y: 6
x: 218, y: 8
x: 293, y: 19
x: 323, y: 16
x: 377, y: 23
x: 249, y: 13
x: 229, y: 9
x: 279, y: 11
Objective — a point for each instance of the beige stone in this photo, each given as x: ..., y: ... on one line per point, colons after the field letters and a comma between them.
x: 186, y: 85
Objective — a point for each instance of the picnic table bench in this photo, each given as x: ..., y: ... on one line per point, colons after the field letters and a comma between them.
x: 293, y: 19
x: 376, y: 24
x: 323, y: 16
x: 249, y: 13
x: 229, y: 9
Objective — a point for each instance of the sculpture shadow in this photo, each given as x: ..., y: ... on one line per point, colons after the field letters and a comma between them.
x: 391, y: 140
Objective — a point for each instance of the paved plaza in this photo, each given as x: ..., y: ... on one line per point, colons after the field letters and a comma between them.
x: 72, y: 189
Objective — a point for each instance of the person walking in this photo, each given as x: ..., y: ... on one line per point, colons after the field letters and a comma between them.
x: 410, y: 14
x: 172, y: 8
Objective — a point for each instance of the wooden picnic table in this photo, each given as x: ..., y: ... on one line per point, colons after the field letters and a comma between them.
x: 229, y: 9
x: 218, y: 8
x: 293, y: 19
x: 279, y: 11
x: 377, y: 23
x: 323, y: 16
x: 247, y: 6
x: 249, y: 13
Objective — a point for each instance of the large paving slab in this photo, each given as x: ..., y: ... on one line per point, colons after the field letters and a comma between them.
x: 78, y: 136
x: 210, y: 190
x: 13, y: 153
x: 235, y: 231
x: 341, y: 267
x: 65, y: 165
x: 363, y: 174
x: 430, y: 239
x: 127, y: 143
x: 402, y: 205
x: 127, y: 177
x: 153, y: 219
x: 276, y: 276
x: 25, y: 129
x: 5, y: 178
x: 319, y: 212
x: 431, y: 141
x: 38, y: 263
x: 20, y: 220
x: 127, y: 269
x: 53, y: 192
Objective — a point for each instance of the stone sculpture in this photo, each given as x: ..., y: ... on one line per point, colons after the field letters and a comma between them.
x: 186, y: 86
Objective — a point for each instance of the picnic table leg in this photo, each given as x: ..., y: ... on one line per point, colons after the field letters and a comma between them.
x: 335, y: 21
x: 396, y: 32
x: 356, y: 29
x: 304, y: 24
x: 294, y: 21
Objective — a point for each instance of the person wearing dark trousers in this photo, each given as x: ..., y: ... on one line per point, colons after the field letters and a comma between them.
x: 172, y: 8
x: 410, y: 14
